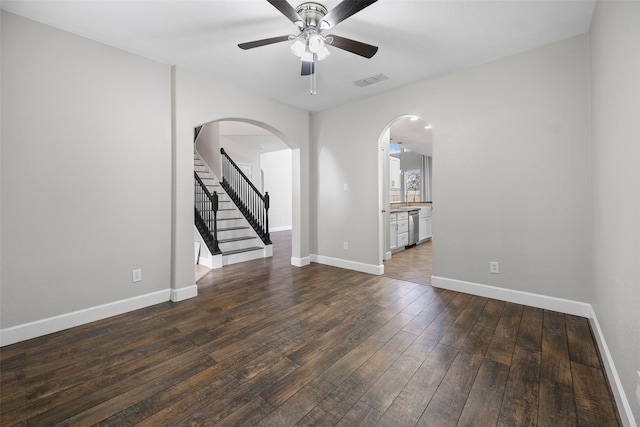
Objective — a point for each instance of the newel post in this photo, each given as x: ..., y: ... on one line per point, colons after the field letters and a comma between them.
x: 214, y: 208
x: 266, y: 215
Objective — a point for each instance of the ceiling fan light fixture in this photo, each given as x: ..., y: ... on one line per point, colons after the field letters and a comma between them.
x: 299, y: 46
x: 308, y: 43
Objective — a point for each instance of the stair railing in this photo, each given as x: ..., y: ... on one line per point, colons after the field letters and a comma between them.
x: 253, y: 205
x: 206, y: 214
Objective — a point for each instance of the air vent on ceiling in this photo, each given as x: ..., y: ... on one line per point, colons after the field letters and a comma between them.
x: 371, y: 80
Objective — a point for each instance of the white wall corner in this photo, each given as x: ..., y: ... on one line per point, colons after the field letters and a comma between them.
x: 184, y: 293
x: 624, y: 408
x: 575, y: 308
x: 378, y: 270
x: 300, y: 262
x: 61, y: 322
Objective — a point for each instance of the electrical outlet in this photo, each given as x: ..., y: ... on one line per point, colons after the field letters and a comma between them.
x: 345, y: 246
x: 136, y: 275
x: 494, y: 267
x: 345, y: 187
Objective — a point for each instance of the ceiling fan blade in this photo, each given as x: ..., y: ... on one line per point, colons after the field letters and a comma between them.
x: 354, y: 46
x: 344, y: 10
x: 287, y: 10
x: 263, y: 42
x: 308, y: 68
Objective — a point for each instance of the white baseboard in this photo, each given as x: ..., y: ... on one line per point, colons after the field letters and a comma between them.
x: 624, y: 408
x: 184, y: 293
x: 206, y: 261
x: 561, y: 305
x: 575, y: 308
x: 50, y: 325
x: 300, y: 262
x: 268, y: 251
x: 349, y: 265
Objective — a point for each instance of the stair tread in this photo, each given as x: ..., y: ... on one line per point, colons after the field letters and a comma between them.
x: 230, y: 219
x: 232, y: 228
x: 239, y: 251
x: 236, y: 239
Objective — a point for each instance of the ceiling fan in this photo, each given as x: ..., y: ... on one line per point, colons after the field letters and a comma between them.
x: 310, y: 45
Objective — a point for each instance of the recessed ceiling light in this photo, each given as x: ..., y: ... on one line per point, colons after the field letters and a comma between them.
x: 427, y: 127
x: 413, y: 119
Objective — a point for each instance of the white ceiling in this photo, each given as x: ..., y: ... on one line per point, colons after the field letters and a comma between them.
x: 412, y: 133
x: 418, y: 39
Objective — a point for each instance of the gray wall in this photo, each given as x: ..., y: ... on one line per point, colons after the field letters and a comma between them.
x: 97, y: 170
x: 86, y: 173
x: 511, y: 182
x: 615, y: 96
x: 276, y: 166
x: 208, y: 146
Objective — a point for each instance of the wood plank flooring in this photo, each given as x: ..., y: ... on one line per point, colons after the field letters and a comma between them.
x: 269, y: 344
x: 413, y: 264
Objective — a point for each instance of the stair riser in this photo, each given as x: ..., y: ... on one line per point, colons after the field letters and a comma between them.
x: 240, y: 244
x: 237, y: 258
x: 226, y: 223
x: 229, y: 214
x: 232, y: 234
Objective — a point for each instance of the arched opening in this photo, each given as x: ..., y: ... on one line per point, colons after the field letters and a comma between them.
x: 405, y: 199
x: 267, y: 163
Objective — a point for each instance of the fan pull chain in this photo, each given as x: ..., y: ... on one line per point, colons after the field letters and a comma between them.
x: 313, y: 75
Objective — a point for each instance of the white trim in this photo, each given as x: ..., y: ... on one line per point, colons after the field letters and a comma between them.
x: 184, y: 293
x: 61, y: 322
x: 575, y: 308
x: 626, y: 415
x: 300, y: 262
x: 378, y: 270
x: 206, y: 261
x: 282, y: 228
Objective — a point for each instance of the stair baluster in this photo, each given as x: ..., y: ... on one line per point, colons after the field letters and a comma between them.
x: 206, y: 215
x: 251, y: 203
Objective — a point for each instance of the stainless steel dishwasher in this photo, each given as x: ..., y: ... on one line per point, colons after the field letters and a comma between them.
x: 414, y: 224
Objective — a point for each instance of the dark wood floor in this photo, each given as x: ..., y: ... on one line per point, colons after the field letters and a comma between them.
x: 268, y: 344
x: 413, y: 264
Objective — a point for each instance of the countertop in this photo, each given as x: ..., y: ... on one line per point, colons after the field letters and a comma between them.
x: 405, y: 209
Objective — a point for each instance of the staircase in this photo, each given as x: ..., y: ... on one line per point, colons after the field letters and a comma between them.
x: 237, y: 240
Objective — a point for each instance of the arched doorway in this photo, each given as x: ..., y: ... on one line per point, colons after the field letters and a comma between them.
x: 405, y: 189
x: 266, y: 161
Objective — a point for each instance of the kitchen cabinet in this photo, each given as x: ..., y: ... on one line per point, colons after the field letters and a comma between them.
x: 425, y: 224
x: 393, y: 232
x: 398, y: 230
